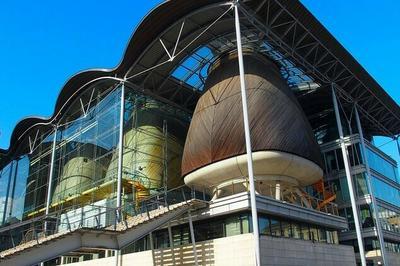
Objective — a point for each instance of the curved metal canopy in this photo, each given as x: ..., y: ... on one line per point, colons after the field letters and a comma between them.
x: 170, y: 51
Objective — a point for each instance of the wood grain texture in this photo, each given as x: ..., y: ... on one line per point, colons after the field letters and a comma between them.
x: 277, y: 121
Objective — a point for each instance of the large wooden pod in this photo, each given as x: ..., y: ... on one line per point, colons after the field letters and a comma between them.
x: 282, y: 139
x: 153, y: 147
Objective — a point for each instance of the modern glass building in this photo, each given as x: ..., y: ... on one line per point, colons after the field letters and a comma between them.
x: 375, y: 177
x: 231, y: 133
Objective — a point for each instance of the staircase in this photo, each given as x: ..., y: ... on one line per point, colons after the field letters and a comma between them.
x: 113, y: 238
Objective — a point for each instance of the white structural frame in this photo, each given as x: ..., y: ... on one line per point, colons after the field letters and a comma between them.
x: 192, y: 236
x: 171, y: 243
x: 51, y: 176
x: 375, y: 212
x: 118, y: 214
x: 349, y: 179
x: 247, y: 137
x: 120, y: 154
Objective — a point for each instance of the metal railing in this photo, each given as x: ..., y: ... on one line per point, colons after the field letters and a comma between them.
x: 91, y: 216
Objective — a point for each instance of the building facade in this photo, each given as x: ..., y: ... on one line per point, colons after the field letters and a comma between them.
x: 233, y: 133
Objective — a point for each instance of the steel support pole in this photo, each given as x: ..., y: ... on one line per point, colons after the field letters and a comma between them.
x: 120, y: 153
x: 247, y: 136
x: 370, y: 187
x: 349, y: 179
x: 171, y: 244
x: 51, y: 176
x: 196, y: 262
x: 117, y: 257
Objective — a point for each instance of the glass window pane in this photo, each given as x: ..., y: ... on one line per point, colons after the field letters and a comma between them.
x: 265, y: 226
x: 305, y: 232
x: 232, y: 226
x: 296, y: 230
x: 275, y: 227
x: 286, y: 229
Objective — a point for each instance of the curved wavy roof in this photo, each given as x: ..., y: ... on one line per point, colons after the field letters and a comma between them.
x: 164, y: 23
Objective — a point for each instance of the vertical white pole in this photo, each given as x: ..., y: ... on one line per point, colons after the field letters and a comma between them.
x: 171, y: 244
x: 51, y: 176
x: 278, y: 191
x: 153, y: 256
x: 117, y: 257
x: 247, y: 136
x: 120, y: 153
x: 349, y: 179
x: 370, y: 187
x: 196, y: 262
x: 120, y: 165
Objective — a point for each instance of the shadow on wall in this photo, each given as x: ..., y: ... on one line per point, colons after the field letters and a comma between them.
x: 184, y: 255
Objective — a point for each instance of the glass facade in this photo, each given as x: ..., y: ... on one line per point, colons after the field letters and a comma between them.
x: 333, y: 158
x: 86, y: 159
x: 154, y: 137
x: 384, y: 172
x: 235, y: 224
x: 342, y: 190
x: 385, y: 191
x: 390, y: 220
x: 86, y: 144
x: 382, y: 166
x: 5, y: 176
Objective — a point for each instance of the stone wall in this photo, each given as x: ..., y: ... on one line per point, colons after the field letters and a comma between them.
x: 289, y: 252
x: 239, y: 251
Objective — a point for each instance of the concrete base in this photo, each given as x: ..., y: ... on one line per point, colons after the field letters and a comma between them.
x: 239, y: 250
x: 289, y: 252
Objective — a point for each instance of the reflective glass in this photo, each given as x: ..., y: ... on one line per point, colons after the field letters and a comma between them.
x: 154, y: 137
x: 19, y: 190
x: 86, y: 159
x: 390, y: 220
x: 4, y: 180
x: 386, y: 192
x: 265, y: 226
x: 276, y: 227
x: 382, y: 166
x: 286, y: 229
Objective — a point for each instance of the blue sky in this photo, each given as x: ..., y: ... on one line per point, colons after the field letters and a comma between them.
x: 43, y: 43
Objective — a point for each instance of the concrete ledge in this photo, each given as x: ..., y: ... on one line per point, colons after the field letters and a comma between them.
x: 241, y: 202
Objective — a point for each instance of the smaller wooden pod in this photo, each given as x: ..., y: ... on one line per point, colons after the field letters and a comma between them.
x: 284, y: 146
x: 80, y: 171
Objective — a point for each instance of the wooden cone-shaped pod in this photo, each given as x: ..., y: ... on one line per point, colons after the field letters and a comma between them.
x: 283, y: 144
x: 80, y: 172
x: 150, y: 152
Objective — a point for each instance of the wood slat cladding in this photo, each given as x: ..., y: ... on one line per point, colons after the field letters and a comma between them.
x: 277, y: 121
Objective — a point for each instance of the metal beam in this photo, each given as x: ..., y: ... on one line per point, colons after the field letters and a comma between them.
x: 370, y: 187
x: 349, y: 179
x: 120, y: 153
x: 51, y: 175
x: 196, y: 262
x: 247, y: 137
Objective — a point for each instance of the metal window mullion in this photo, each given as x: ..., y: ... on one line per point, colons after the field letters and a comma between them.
x: 370, y: 187
x: 349, y: 180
